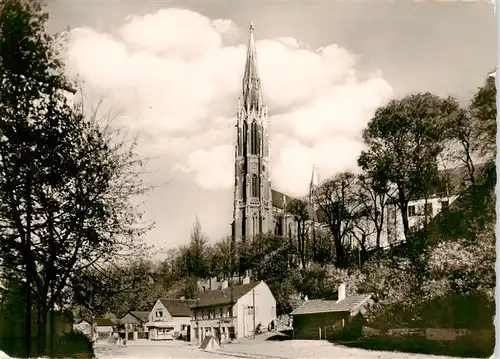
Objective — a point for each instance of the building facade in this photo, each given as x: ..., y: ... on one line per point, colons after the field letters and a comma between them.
x: 169, y: 319
x: 232, y: 311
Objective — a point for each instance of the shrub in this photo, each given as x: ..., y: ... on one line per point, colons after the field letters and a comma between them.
x: 73, y: 345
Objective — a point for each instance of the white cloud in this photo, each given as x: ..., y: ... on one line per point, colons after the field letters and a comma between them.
x: 176, y: 76
x: 212, y: 168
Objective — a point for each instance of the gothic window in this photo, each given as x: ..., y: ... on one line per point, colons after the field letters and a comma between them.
x: 254, y: 139
x: 255, y: 186
x: 239, y: 144
x: 245, y: 138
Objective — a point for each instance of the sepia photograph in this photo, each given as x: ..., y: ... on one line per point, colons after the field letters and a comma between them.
x: 265, y: 179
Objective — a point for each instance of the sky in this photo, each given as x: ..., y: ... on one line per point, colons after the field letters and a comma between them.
x: 172, y: 73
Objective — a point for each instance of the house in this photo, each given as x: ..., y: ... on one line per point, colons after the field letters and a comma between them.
x: 135, y: 324
x: 104, y: 327
x: 169, y: 319
x: 227, y: 312
x: 330, y: 319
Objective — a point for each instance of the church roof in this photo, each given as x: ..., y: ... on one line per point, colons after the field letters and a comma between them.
x: 280, y: 199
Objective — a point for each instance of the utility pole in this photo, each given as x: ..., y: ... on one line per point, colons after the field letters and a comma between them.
x: 253, y: 312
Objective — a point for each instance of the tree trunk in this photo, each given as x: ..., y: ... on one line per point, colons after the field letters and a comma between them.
x: 42, y: 329
x: 339, y: 250
x: 403, y: 205
x: 29, y: 279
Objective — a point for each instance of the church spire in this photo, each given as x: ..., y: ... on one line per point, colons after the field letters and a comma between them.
x: 251, y: 80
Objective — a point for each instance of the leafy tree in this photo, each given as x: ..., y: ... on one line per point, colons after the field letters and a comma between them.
x: 66, y: 181
x: 404, y: 139
x: 195, y: 255
x: 220, y: 258
x: 483, y: 109
x: 299, y: 210
x: 337, y: 198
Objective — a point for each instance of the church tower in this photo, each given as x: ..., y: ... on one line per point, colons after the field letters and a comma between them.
x: 252, y: 186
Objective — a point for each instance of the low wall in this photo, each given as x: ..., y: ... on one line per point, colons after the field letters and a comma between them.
x: 433, y: 334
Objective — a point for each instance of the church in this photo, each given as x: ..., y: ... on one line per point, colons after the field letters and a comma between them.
x: 258, y: 208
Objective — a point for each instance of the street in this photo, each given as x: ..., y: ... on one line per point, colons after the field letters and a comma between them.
x: 293, y: 349
x: 151, y: 349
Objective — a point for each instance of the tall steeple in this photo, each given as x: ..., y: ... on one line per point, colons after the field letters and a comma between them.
x: 251, y: 81
x: 252, y: 195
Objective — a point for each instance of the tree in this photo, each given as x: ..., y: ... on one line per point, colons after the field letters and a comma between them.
x: 195, y: 256
x: 299, y: 209
x: 484, y: 110
x: 66, y: 181
x: 220, y: 258
x: 337, y: 198
x: 404, y: 139
x: 374, y: 193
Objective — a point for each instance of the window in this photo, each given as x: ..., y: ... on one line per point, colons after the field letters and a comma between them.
x: 159, y: 313
x: 254, y: 139
x: 428, y: 209
x: 445, y: 205
x: 412, y: 211
x: 244, y: 144
x: 255, y: 186
x: 221, y: 313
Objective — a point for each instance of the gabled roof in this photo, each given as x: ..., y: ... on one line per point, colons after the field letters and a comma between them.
x: 104, y: 322
x: 177, y: 307
x: 141, y: 316
x: 221, y: 297
x: 349, y: 304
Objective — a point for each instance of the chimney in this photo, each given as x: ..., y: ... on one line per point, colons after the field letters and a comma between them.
x: 306, y: 298
x: 341, y: 292
x: 223, y: 285
x: 182, y: 298
x: 246, y: 280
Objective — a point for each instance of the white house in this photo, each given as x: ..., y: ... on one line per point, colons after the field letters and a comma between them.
x: 228, y: 311
x: 169, y: 319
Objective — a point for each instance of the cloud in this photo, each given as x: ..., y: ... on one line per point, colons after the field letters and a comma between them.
x: 176, y: 76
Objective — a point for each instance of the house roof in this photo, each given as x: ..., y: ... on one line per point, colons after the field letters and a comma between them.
x: 141, y: 316
x: 177, y: 307
x: 349, y: 304
x: 220, y: 297
x: 104, y: 322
